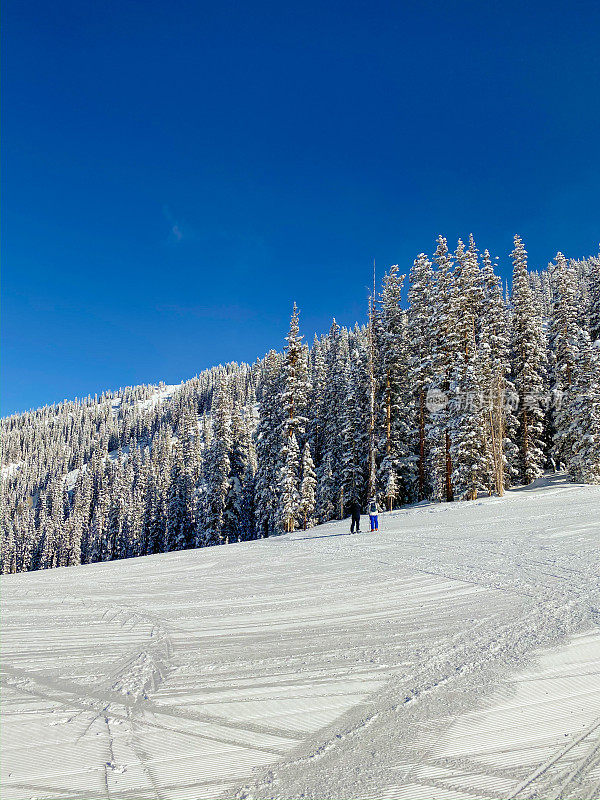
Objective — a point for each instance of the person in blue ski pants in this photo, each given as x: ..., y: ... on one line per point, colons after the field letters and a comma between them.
x: 373, y: 512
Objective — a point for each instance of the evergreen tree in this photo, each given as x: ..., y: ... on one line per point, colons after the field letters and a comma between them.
x: 581, y: 440
x: 289, y: 495
x: 354, y: 434
x: 497, y: 388
x: 307, y: 488
x: 529, y: 359
x: 566, y: 330
x: 116, y: 508
x: 233, y: 521
x: 217, y: 467
x: 333, y: 420
x: 420, y: 334
x: 8, y: 554
x: 594, y: 298
x: 248, y: 516
x: 180, y: 523
x: 296, y: 387
x: 470, y: 473
x: 399, y: 410
x: 293, y: 400
x: 566, y: 336
x: 268, y: 446
x: 326, y: 492
x: 316, y: 422
x: 445, y: 338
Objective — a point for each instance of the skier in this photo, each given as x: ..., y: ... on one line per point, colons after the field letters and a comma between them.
x: 355, y: 511
x: 373, y: 511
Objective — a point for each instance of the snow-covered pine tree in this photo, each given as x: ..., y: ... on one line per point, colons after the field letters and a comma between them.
x: 470, y: 473
x: 248, y: 515
x: 566, y: 336
x: 326, y: 494
x: 95, y: 545
x: 565, y: 331
x: 152, y: 535
x: 233, y: 524
x: 296, y: 386
x: 355, y: 432
x: 318, y: 380
x: 308, y: 486
x: 288, y: 480
x: 8, y: 551
x: 294, y: 400
x: 594, y: 298
x: 116, y: 510
x: 180, y: 528
x: 46, y: 556
x: 75, y: 526
x: 420, y: 336
x: 333, y: 421
x: 445, y: 338
x: 498, y: 390
x: 268, y: 445
x: 399, y: 411
x: 26, y: 542
x: 82, y: 498
x: 217, y: 467
x: 189, y: 434
x: 471, y: 467
x: 376, y: 392
x: 546, y: 293
x: 529, y: 359
x: 581, y: 442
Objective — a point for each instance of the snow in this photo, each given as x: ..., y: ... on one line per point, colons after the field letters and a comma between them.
x: 160, y: 396
x: 9, y: 469
x: 454, y: 654
x: 541, y: 724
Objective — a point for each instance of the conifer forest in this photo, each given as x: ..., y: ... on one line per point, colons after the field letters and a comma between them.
x: 453, y: 387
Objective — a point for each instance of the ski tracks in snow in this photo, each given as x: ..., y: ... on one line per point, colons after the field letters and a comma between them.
x: 393, y: 665
x: 111, y: 706
x: 364, y: 759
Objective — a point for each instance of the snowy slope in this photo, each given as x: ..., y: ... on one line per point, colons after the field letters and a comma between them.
x: 161, y: 395
x: 455, y: 654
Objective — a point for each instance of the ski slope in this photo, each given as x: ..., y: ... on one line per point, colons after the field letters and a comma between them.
x: 454, y: 654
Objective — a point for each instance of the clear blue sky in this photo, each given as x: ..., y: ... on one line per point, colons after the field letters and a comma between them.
x: 176, y: 174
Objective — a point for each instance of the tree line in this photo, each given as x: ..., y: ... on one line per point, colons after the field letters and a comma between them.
x: 455, y: 387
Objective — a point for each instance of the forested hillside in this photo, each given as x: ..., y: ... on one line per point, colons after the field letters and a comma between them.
x: 454, y: 387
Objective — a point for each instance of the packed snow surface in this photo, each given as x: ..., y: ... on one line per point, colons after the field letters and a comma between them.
x: 453, y: 654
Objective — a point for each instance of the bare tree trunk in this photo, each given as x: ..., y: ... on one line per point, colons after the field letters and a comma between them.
x: 449, y: 492
x: 525, y: 444
x: 388, y: 414
x: 421, y: 444
x: 500, y: 436
x: 372, y: 474
x: 494, y: 454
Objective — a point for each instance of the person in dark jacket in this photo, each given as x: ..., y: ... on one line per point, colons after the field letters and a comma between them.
x: 355, y: 511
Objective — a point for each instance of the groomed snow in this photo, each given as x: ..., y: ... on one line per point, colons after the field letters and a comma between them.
x: 454, y: 654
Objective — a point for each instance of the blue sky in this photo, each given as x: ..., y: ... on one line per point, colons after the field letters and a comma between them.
x: 176, y: 174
